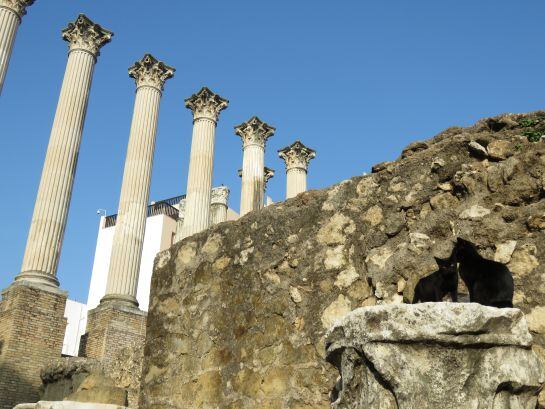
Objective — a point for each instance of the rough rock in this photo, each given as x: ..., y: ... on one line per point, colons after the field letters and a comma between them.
x: 63, y: 377
x: 89, y: 380
x: 97, y: 388
x: 477, y: 149
x: 66, y: 405
x: 434, y: 355
x: 226, y: 326
x: 499, y: 149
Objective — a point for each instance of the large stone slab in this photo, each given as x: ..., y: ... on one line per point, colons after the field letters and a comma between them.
x: 434, y: 355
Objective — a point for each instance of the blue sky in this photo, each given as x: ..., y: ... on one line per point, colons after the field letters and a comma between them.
x: 356, y: 80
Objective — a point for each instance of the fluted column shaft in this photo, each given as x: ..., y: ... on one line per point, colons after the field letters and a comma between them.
x: 133, y: 202
x: 297, y: 157
x: 296, y: 181
x: 48, y: 224
x: 218, y: 213
x: 206, y: 107
x: 9, y: 23
x: 199, y: 180
x: 218, y: 208
x: 130, y: 227
x: 253, y: 179
x: 11, y: 13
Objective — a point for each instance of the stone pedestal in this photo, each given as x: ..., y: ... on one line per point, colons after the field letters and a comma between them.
x: 434, y: 355
x: 32, y: 326
x: 110, y: 328
x: 11, y: 13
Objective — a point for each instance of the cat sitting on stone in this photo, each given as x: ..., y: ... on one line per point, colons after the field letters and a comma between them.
x: 434, y: 287
x: 489, y: 282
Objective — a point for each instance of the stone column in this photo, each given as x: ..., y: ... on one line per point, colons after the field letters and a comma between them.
x: 150, y: 76
x: 268, y: 173
x: 297, y: 156
x: 51, y: 209
x: 254, y: 134
x: 180, y: 221
x: 218, y: 207
x: 11, y: 14
x: 206, y: 107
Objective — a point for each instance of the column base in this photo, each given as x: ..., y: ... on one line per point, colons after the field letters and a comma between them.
x: 111, y: 327
x: 32, y: 327
x: 38, y: 277
x: 119, y: 299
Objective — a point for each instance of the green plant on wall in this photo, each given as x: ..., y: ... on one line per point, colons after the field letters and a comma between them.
x: 527, y: 122
x: 533, y: 135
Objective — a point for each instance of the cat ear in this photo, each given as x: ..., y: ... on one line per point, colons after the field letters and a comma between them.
x: 440, y: 262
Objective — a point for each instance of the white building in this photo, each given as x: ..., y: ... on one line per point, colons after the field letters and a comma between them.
x: 76, y: 316
x: 160, y: 232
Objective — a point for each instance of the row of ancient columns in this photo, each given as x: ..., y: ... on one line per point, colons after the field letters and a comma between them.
x: 202, y: 206
x: 48, y: 223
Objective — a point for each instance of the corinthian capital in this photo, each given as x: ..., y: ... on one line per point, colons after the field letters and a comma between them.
x: 85, y: 35
x: 206, y: 104
x: 220, y: 195
x: 17, y: 6
x: 296, y: 155
x: 268, y: 173
x: 150, y: 72
x: 254, y: 132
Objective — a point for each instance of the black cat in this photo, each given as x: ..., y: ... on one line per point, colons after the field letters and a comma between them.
x: 489, y: 282
x: 438, y: 284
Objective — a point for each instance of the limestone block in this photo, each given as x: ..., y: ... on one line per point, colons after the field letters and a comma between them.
x: 434, y: 355
x: 499, y: 149
x: 477, y: 149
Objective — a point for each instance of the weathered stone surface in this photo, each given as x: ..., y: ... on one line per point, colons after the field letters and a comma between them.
x: 66, y: 405
x: 97, y: 388
x: 238, y: 313
x: 116, y: 380
x: 499, y: 149
x: 477, y: 149
x: 434, y: 355
x: 62, y: 377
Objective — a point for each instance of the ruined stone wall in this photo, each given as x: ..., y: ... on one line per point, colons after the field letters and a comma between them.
x: 238, y: 313
x: 32, y: 326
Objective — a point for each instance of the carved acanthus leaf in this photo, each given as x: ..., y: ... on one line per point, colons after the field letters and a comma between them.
x: 268, y: 174
x: 18, y: 6
x: 85, y: 35
x: 151, y: 72
x: 206, y: 104
x: 254, y: 132
x: 297, y: 155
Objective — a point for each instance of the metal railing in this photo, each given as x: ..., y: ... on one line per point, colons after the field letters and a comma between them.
x: 165, y: 207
